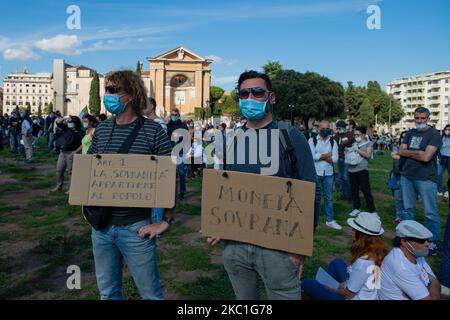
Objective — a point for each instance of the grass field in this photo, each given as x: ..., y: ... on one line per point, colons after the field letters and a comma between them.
x: 41, y: 235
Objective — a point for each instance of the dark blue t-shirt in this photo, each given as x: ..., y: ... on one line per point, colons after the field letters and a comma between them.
x: 305, y: 163
x: 418, y: 141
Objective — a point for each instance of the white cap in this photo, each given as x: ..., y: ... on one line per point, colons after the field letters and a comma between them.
x: 367, y: 223
x: 412, y: 229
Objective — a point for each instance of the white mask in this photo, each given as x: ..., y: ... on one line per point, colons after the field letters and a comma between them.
x: 71, y: 125
x: 358, y: 139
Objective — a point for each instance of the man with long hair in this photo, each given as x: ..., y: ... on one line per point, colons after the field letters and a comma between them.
x: 130, y: 235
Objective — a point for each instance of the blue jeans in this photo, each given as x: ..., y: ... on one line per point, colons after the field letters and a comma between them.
x: 118, y: 244
x: 427, y: 190
x: 157, y: 214
x: 51, y: 141
x: 181, y: 173
x: 343, y: 177
x: 441, y: 170
x: 316, y: 291
x: 445, y: 258
x: 326, y: 186
x: 247, y: 265
x: 14, y: 142
x: 399, y: 209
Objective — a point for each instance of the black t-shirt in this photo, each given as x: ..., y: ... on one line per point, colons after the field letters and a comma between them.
x: 418, y: 141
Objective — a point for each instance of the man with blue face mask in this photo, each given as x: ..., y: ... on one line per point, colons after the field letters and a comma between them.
x: 405, y: 274
x: 419, y: 173
x: 247, y: 264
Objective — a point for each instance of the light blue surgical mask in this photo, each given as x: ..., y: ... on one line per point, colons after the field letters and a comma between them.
x: 112, y: 104
x: 253, y: 109
x: 421, y: 126
x: 175, y: 118
x: 417, y: 252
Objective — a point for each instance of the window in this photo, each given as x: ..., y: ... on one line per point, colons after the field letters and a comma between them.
x: 446, y: 81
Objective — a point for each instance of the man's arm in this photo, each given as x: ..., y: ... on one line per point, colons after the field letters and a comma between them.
x: 419, y: 155
x: 434, y: 288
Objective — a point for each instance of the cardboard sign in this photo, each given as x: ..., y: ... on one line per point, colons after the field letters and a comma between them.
x: 123, y: 180
x: 270, y: 212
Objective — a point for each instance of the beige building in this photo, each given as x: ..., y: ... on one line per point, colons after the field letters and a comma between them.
x: 74, y: 82
x: 428, y: 90
x: 178, y: 78
x: 22, y: 88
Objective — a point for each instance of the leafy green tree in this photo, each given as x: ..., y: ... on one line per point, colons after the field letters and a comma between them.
x: 216, y: 93
x: 366, y: 114
x: 395, y: 107
x: 354, y: 97
x: 28, y: 105
x: 272, y: 68
x: 375, y: 95
x: 39, y: 110
x: 311, y: 94
x: 94, y: 96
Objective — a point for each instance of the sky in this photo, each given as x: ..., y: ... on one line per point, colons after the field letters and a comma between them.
x: 330, y: 37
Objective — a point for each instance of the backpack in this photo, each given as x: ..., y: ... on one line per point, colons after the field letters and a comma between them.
x: 286, y: 143
x: 331, y: 141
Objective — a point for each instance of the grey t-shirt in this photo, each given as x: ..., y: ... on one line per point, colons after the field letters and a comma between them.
x: 419, y: 140
x: 364, y: 164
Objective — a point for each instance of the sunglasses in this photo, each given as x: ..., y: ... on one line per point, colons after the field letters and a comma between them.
x: 421, y: 241
x: 111, y: 89
x: 256, y: 92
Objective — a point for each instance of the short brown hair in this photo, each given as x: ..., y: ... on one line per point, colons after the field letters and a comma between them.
x: 130, y: 83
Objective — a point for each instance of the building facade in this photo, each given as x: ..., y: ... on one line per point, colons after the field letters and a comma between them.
x: 22, y: 89
x: 178, y: 78
x: 428, y: 90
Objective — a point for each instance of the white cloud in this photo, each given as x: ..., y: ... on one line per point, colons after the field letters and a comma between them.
x: 20, y: 53
x: 216, y: 59
x: 63, y: 44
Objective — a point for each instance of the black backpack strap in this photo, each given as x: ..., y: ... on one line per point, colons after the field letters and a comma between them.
x: 127, y: 144
x: 286, y: 142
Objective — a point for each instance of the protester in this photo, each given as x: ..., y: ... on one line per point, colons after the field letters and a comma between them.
x: 89, y: 123
x: 419, y: 173
x: 14, y: 131
x: 325, y: 152
x: 130, y: 235
x: 358, y: 171
x: 245, y: 263
x: 405, y: 274
x: 27, y: 133
x: 174, y: 124
x: 68, y: 142
x: 150, y: 113
x: 394, y: 183
x: 344, y: 139
x: 443, y: 158
x: 37, y: 131
x: 360, y: 280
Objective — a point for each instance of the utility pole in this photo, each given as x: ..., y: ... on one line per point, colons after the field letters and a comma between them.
x: 291, y: 106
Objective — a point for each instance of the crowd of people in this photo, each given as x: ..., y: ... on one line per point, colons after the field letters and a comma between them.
x: 335, y: 156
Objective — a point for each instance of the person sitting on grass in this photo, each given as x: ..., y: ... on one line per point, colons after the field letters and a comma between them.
x: 360, y: 280
x: 405, y: 274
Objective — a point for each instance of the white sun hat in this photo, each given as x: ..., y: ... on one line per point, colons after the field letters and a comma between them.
x: 367, y: 223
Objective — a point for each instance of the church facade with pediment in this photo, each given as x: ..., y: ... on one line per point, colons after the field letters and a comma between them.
x: 178, y: 78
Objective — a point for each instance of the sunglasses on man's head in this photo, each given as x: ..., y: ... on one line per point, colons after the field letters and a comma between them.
x: 256, y: 92
x: 111, y: 89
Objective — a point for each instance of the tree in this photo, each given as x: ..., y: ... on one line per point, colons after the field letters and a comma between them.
x: 375, y: 95
x: 139, y: 68
x: 229, y: 106
x: 272, y: 68
x: 94, y: 95
x: 49, y: 108
x: 216, y: 93
x: 354, y: 97
x: 39, y: 110
x: 396, y: 112
x: 366, y: 115
x: 313, y: 96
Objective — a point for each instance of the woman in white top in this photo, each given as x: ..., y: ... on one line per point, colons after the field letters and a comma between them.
x: 360, y: 280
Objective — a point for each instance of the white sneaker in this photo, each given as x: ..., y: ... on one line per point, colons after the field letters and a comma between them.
x: 445, y: 291
x: 333, y: 224
x: 440, y: 194
x: 446, y: 194
x: 354, y: 213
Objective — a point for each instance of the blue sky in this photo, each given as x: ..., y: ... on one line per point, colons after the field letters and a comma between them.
x: 326, y: 36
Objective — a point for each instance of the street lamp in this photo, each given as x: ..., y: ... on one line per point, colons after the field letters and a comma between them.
x: 291, y: 106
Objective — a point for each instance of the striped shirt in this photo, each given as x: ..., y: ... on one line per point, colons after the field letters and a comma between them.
x: 151, y: 139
